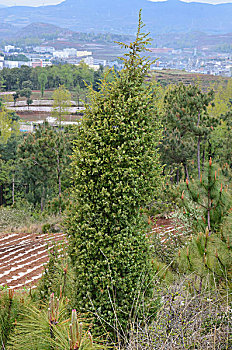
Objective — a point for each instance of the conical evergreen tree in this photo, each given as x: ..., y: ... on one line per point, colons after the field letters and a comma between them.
x: 116, y: 170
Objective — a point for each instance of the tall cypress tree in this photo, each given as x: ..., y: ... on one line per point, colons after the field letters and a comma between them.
x: 116, y: 171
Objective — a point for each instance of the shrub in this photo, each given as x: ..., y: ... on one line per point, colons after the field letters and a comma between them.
x: 116, y: 171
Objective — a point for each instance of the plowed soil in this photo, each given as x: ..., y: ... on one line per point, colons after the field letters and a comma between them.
x: 22, y: 258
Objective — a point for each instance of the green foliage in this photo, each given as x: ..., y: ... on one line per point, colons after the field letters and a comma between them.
x: 58, y: 275
x: 8, y: 125
x: 26, y: 91
x: 11, y: 307
x: 68, y: 75
x: 19, y: 57
x: 49, y: 328
x: 116, y: 171
x: 61, y: 103
x: 187, y: 125
x: 207, y: 201
x: 222, y: 99
x: 221, y: 140
x: 44, y: 159
x: 209, y: 256
x: 42, y: 79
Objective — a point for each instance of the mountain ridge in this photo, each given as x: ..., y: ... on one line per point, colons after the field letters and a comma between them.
x: 122, y: 16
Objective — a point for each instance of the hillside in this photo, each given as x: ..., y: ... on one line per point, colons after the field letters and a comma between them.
x: 7, y: 30
x: 42, y: 30
x: 167, y: 77
x: 122, y: 16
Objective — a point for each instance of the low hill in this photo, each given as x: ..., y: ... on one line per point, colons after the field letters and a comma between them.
x: 43, y: 31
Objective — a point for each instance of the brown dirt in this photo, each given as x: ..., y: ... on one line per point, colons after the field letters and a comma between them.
x: 23, y: 256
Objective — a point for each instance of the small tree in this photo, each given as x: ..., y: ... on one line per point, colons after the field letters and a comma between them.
x: 206, y: 200
x: 26, y: 92
x: 187, y: 123
x: 61, y: 103
x: 45, y: 156
x: 116, y: 170
x: 16, y: 96
x: 42, y: 78
x: 8, y: 124
x: 27, y: 84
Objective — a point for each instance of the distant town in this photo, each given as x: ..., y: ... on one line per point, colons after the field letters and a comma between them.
x: 194, y: 60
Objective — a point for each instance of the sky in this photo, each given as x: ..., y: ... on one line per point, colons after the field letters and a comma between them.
x: 53, y: 2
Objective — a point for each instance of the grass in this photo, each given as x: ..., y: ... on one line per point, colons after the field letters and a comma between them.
x: 168, y: 76
x: 26, y: 221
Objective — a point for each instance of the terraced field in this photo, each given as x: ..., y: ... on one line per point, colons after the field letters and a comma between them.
x: 169, y: 231
x: 23, y: 256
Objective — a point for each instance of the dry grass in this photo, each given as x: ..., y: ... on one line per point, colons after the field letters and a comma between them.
x: 24, y: 221
x: 199, y: 320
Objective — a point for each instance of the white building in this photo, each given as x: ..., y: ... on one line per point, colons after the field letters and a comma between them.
x: 11, y: 64
x: 60, y: 54
x: 8, y: 48
x: 90, y: 62
x: 40, y: 62
x: 1, y: 62
x: 83, y: 53
x: 44, y: 49
x: 70, y: 52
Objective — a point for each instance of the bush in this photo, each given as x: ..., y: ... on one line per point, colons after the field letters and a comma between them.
x: 58, y: 275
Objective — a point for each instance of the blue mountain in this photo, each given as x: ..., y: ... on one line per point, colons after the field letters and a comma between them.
x: 121, y: 16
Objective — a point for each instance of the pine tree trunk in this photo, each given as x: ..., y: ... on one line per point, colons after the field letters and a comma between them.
x: 13, y: 190
x: 177, y: 176
x: 186, y: 171
x: 203, y: 160
x: 1, y: 195
x: 42, y: 200
x: 199, y: 157
x: 59, y: 179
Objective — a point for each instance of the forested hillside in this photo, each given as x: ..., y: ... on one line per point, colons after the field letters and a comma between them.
x: 131, y: 201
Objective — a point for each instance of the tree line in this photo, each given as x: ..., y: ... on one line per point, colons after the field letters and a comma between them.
x: 69, y: 75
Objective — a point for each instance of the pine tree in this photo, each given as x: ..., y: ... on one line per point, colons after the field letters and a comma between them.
x: 187, y: 124
x: 116, y: 171
x: 42, y: 79
x: 61, y: 103
x: 44, y: 156
x: 207, y: 200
